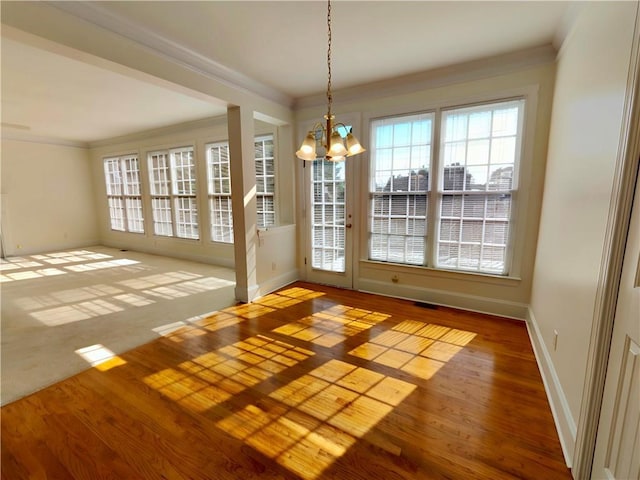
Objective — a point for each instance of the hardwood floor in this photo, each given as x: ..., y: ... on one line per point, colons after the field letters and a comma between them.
x: 310, y: 382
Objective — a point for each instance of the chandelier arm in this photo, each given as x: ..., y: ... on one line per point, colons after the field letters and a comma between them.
x: 340, y: 124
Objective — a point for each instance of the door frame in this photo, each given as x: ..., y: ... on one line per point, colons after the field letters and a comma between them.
x: 353, y: 207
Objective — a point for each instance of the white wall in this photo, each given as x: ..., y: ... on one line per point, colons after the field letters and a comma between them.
x: 276, y: 258
x: 530, y: 77
x: 47, y: 198
x: 585, y: 132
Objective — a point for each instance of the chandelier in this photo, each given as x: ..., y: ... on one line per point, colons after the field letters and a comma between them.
x: 328, y: 135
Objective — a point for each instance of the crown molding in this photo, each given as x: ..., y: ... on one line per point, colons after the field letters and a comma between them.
x: 567, y: 25
x: 24, y: 136
x: 472, y: 70
x: 170, y: 50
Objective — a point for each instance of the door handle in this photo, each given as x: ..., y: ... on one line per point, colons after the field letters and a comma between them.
x: 348, y: 225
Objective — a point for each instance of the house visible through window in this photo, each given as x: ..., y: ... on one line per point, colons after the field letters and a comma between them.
x: 172, y: 176
x: 475, y: 182
x: 219, y: 187
x: 399, y: 188
x: 122, y: 177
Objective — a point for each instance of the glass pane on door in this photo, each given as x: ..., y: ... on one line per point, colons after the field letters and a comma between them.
x: 328, y: 216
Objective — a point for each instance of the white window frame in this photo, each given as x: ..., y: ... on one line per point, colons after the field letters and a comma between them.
x: 124, y: 193
x: 265, y: 182
x: 384, y: 202
x: 173, y: 193
x: 219, y: 192
x: 159, y: 181
x: 494, y: 194
x: 220, y: 210
x: 436, y: 192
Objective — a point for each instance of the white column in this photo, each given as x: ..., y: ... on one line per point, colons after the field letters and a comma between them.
x: 243, y: 200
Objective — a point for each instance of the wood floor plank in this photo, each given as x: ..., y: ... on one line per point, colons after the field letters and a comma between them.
x: 309, y: 382
x: 182, y: 428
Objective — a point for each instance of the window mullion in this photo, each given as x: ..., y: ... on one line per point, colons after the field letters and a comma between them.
x: 388, y: 253
x: 170, y: 192
x: 122, y: 165
x: 482, y: 232
x: 461, y: 226
x: 434, y: 195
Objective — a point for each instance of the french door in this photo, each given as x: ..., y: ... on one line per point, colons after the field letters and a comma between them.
x: 329, y: 222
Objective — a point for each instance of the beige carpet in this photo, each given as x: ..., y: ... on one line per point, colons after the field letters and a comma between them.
x: 63, y: 310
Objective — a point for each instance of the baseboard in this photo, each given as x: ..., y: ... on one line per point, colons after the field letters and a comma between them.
x: 50, y: 248
x: 565, y: 423
x: 275, y: 283
x: 164, y: 252
x: 473, y: 303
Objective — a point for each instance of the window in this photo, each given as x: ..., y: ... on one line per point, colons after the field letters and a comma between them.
x: 265, y: 182
x: 470, y: 198
x: 160, y: 198
x: 219, y: 187
x: 328, y: 233
x: 172, y: 176
x: 122, y: 177
x: 400, y: 184
x: 219, y: 181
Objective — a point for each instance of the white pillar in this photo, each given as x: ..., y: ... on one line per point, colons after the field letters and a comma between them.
x: 243, y: 200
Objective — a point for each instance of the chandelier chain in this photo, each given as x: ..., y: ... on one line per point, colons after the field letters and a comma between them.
x: 336, y: 146
x: 329, y: 97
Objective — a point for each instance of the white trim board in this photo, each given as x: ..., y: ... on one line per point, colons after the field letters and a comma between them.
x: 147, y: 247
x: 276, y: 283
x: 565, y: 423
x: 472, y: 303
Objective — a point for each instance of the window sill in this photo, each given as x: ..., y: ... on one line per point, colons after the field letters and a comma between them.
x: 442, y: 274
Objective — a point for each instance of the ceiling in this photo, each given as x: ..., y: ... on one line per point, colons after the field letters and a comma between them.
x: 49, y: 95
x: 281, y: 45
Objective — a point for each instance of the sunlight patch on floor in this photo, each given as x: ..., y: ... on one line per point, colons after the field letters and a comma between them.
x: 249, y: 310
x: 216, y: 321
x: 415, y: 347
x: 73, y: 305
x: 100, y: 357
x: 30, y: 264
x: 75, y: 312
x: 86, y: 267
x: 288, y: 297
x: 212, y: 378
x: 331, y: 326
x: 313, y: 420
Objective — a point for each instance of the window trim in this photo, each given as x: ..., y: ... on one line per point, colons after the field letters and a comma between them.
x: 428, y: 193
x: 154, y: 196
x: 520, y: 219
x: 210, y: 196
x: 171, y: 185
x: 274, y: 194
x: 123, y: 196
